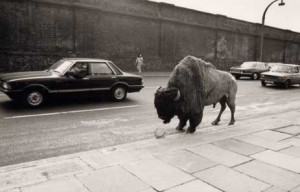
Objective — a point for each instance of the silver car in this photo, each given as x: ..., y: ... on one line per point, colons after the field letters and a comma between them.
x: 282, y: 74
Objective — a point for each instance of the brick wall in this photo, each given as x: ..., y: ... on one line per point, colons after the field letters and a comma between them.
x: 36, y: 33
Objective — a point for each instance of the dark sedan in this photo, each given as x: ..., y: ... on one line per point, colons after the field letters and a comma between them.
x: 70, y: 75
x: 251, y: 69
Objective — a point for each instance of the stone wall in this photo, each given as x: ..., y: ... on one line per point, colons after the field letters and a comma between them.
x: 36, y: 33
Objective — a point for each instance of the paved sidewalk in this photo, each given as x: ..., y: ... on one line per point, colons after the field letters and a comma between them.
x: 261, y: 154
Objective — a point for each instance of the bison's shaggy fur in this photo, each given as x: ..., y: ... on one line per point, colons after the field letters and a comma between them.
x: 192, y: 85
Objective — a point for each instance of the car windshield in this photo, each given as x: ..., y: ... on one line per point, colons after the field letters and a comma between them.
x: 248, y: 65
x: 282, y: 69
x: 60, y: 66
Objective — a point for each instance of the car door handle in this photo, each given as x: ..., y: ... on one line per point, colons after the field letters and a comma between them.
x: 113, y: 77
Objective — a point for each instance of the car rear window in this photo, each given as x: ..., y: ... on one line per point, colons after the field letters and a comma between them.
x: 115, y: 68
x: 100, y: 69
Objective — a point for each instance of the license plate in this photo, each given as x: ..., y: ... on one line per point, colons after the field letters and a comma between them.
x: 271, y: 82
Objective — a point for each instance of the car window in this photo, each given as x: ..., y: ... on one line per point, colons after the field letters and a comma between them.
x: 296, y: 69
x: 99, y: 69
x: 115, y: 68
x: 260, y: 66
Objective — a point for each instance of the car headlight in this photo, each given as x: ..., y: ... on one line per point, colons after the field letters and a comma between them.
x: 5, y: 85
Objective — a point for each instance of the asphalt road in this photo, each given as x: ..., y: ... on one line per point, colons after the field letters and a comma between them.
x: 69, y: 126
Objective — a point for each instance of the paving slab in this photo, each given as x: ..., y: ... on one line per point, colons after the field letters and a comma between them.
x: 219, y: 155
x: 100, y: 160
x: 194, y: 186
x: 13, y: 190
x: 187, y: 161
x: 112, y: 179
x: 148, y: 190
x: 279, y: 159
x: 262, y: 142
x: 157, y: 173
x: 61, y: 185
x: 292, y: 130
x: 292, y: 141
x: 239, y: 147
x: 272, y: 135
x: 293, y: 151
x: 63, y: 168
x: 229, y: 180
x: 274, y: 189
x: 297, y: 189
x: 19, y: 178
x: 270, y: 174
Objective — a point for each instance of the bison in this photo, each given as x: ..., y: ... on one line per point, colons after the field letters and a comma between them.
x: 192, y: 85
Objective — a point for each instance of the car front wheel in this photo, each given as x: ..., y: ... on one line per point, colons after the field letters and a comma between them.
x: 34, y: 98
x: 119, y: 93
x: 255, y: 76
x: 287, y: 84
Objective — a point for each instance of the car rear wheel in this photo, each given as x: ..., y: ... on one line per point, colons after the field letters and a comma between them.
x: 287, y: 84
x: 263, y: 83
x: 255, y: 76
x: 34, y: 98
x: 119, y: 93
x: 237, y: 77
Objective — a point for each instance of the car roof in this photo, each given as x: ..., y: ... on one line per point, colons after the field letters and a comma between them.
x: 254, y: 62
x: 86, y: 59
x: 286, y: 64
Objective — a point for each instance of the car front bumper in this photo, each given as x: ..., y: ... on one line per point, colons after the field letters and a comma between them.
x: 246, y: 74
x: 135, y: 88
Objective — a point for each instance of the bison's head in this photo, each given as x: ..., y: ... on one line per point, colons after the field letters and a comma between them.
x: 165, y: 102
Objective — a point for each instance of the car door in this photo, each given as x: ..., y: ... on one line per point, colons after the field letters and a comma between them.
x: 102, y: 77
x: 69, y: 83
x: 297, y: 75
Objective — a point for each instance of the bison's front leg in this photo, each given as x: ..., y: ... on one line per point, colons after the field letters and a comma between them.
x: 195, y: 120
x: 182, y: 123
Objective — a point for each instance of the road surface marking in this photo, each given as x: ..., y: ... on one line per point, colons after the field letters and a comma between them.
x: 70, y: 112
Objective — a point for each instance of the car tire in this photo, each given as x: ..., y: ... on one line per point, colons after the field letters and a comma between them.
x: 255, y: 76
x: 119, y: 93
x: 34, y: 98
x: 263, y: 83
x: 287, y: 84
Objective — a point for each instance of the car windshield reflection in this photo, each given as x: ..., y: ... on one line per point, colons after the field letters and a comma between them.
x: 60, y: 66
x: 282, y: 69
x: 249, y: 65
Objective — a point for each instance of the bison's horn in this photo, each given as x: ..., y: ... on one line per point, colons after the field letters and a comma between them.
x: 177, y: 96
x: 158, y: 88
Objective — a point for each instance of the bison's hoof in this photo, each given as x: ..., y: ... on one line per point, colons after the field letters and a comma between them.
x: 231, y: 123
x: 215, y: 123
x: 179, y: 128
x: 190, y: 130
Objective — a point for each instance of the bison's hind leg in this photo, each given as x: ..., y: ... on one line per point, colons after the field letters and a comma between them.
x: 231, y: 105
x: 223, y: 107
